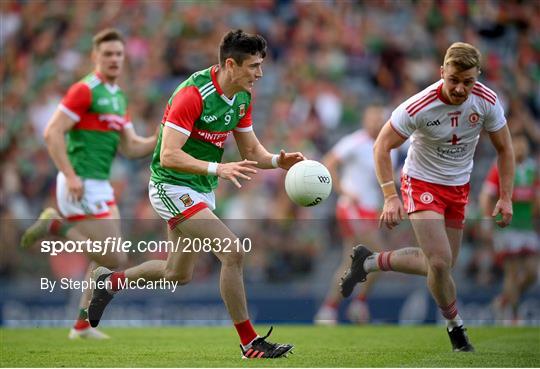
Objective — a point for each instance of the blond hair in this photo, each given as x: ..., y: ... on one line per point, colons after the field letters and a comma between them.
x: 463, y: 56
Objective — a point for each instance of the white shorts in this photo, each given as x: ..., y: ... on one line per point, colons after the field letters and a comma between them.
x: 516, y: 242
x: 178, y: 203
x: 98, y: 197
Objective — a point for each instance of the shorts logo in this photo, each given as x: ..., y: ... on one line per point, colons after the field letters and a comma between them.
x: 473, y: 119
x: 426, y: 198
x: 186, y: 200
x: 242, y: 110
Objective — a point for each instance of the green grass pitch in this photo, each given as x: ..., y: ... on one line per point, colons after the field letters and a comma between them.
x: 344, y: 346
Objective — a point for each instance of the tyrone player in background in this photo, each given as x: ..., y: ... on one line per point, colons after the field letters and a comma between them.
x: 444, y: 122
x: 357, y: 210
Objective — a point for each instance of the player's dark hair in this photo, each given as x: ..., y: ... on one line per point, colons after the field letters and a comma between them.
x: 108, y: 34
x: 239, y: 45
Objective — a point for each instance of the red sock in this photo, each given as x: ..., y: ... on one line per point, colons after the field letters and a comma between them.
x: 59, y: 227
x: 117, y: 280
x: 81, y: 324
x: 246, y: 332
x: 450, y: 311
x: 383, y: 260
x: 503, y: 300
x: 331, y: 304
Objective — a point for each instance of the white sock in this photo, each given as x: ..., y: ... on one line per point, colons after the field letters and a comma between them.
x: 454, y: 323
x: 248, y: 346
x: 371, y: 264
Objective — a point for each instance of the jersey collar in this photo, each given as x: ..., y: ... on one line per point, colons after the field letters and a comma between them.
x: 441, y: 96
x: 213, y: 72
x: 112, y: 88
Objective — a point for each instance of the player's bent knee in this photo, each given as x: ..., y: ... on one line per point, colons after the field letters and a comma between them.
x: 233, y: 258
x: 440, y: 266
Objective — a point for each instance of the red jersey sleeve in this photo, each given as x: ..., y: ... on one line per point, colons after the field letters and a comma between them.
x: 76, y: 101
x: 246, y: 123
x: 185, y: 109
x: 492, y: 180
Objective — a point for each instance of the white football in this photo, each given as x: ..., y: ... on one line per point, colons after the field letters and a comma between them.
x: 308, y: 183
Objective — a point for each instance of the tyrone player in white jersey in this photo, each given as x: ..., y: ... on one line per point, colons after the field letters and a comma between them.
x: 444, y: 122
x: 357, y: 210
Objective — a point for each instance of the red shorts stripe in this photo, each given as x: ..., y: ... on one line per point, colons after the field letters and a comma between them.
x: 186, y: 214
x: 78, y: 217
x: 354, y: 219
x: 502, y: 256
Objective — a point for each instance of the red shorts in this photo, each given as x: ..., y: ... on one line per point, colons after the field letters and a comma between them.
x: 354, y: 219
x: 449, y: 201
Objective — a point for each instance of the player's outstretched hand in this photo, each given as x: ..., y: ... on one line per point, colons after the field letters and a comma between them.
x: 392, y: 213
x: 503, y: 207
x: 75, y: 188
x: 288, y: 159
x: 236, y: 170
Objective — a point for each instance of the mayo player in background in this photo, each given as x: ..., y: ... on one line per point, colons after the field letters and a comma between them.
x: 93, y: 116
x: 357, y: 211
x: 517, y: 246
x: 444, y: 122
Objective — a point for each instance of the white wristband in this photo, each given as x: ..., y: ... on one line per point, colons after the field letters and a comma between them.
x: 274, y: 161
x: 212, y: 169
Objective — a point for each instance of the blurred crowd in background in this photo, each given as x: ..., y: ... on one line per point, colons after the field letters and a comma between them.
x: 327, y: 61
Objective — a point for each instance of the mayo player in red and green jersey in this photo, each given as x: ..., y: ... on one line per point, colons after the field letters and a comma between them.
x: 93, y: 115
x: 202, y: 112
x: 518, y: 245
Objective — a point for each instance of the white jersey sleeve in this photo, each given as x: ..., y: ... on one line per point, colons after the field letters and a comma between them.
x: 402, y: 122
x: 495, y: 118
x: 344, y: 148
